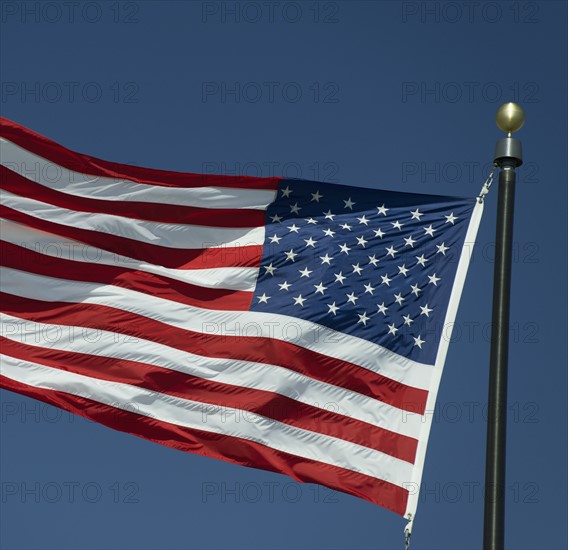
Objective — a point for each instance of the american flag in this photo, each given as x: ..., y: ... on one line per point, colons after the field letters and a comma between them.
x: 294, y: 326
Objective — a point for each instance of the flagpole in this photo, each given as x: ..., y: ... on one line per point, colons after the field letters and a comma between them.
x: 508, y: 156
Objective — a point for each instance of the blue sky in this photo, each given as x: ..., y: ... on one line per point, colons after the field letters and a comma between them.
x: 394, y: 95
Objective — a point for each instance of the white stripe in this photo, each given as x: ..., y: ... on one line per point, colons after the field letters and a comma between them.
x: 230, y: 278
x: 171, y: 235
x: 190, y: 414
x: 241, y: 323
x: 49, y: 174
x: 247, y: 374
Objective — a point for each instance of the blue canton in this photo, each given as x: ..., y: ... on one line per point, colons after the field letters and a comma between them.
x: 379, y: 265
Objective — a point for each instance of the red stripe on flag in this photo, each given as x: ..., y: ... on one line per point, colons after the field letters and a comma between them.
x: 247, y: 348
x: 177, y: 258
x: 228, y: 448
x: 165, y: 213
x: 178, y: 384
x: 21, y: 258
x: 86, y: 164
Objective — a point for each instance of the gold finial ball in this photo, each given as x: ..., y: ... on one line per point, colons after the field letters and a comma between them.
x: 510, y: 117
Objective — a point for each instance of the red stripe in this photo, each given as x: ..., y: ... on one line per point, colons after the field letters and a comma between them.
x: 228, y: 448
x: 166, y: 213
x: 85, y: 164
x: 21, y: 258
x: 176, y: 258
x: 247, y: 348
x: 178, y: 384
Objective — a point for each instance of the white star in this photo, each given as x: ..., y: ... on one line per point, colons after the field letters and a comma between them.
x: 295, y: 209
x: 344, y: 248
x: 352, y: 298
x: 429, y: 230
x: 402, y: 269
x: 451, y: 218
x: 363, y: 318
x: 416, y: 214
x: 425, y: 310
x: 378, y: 233
x: 339, y: 277
x: 392, y: 329
x: 290, y: 255
x: 326, y: 259
x: 305, y: 272
x: 320, y: 288
x: 270, y: 269
x: 416, y: 290
x: 275, y: 239
x: 382, y: 210
x: 418, y: 341
x: 276, y: 218
x: 442, y: 248
x: 386, y: 280
x: 407, y: 320
x: 285, y: 285
x: 382, y: 308
x: 310, y: 242
x: 391, y: 251
x: 333, y: 308
x: 369, y: 288
x: 398, y: 298
x: 345, y: 226
x: 409, y: 241
x: 294, y: 228
x: 421, y: 260
x: 263, y: 299
x: 299, y: 301
x: 286, y: 192
x: 363, y: 220
x: 316, y: 196
x: 328, y: 215
x: 361, y: 241
x: 433, y: 280
x: 329, y: 232
x: 311, y: 220
x: 357, y: 269
x: 349, y: 203
x: 397, y: 225
x: 373, y: 260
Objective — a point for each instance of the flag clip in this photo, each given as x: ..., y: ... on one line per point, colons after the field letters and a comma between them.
x: 408, y: 532
x: 486, y: 185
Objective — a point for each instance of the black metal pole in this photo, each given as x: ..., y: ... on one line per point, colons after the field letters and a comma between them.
x: 508, y: 157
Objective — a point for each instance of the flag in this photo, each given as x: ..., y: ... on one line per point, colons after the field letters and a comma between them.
x: 294, y: 326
